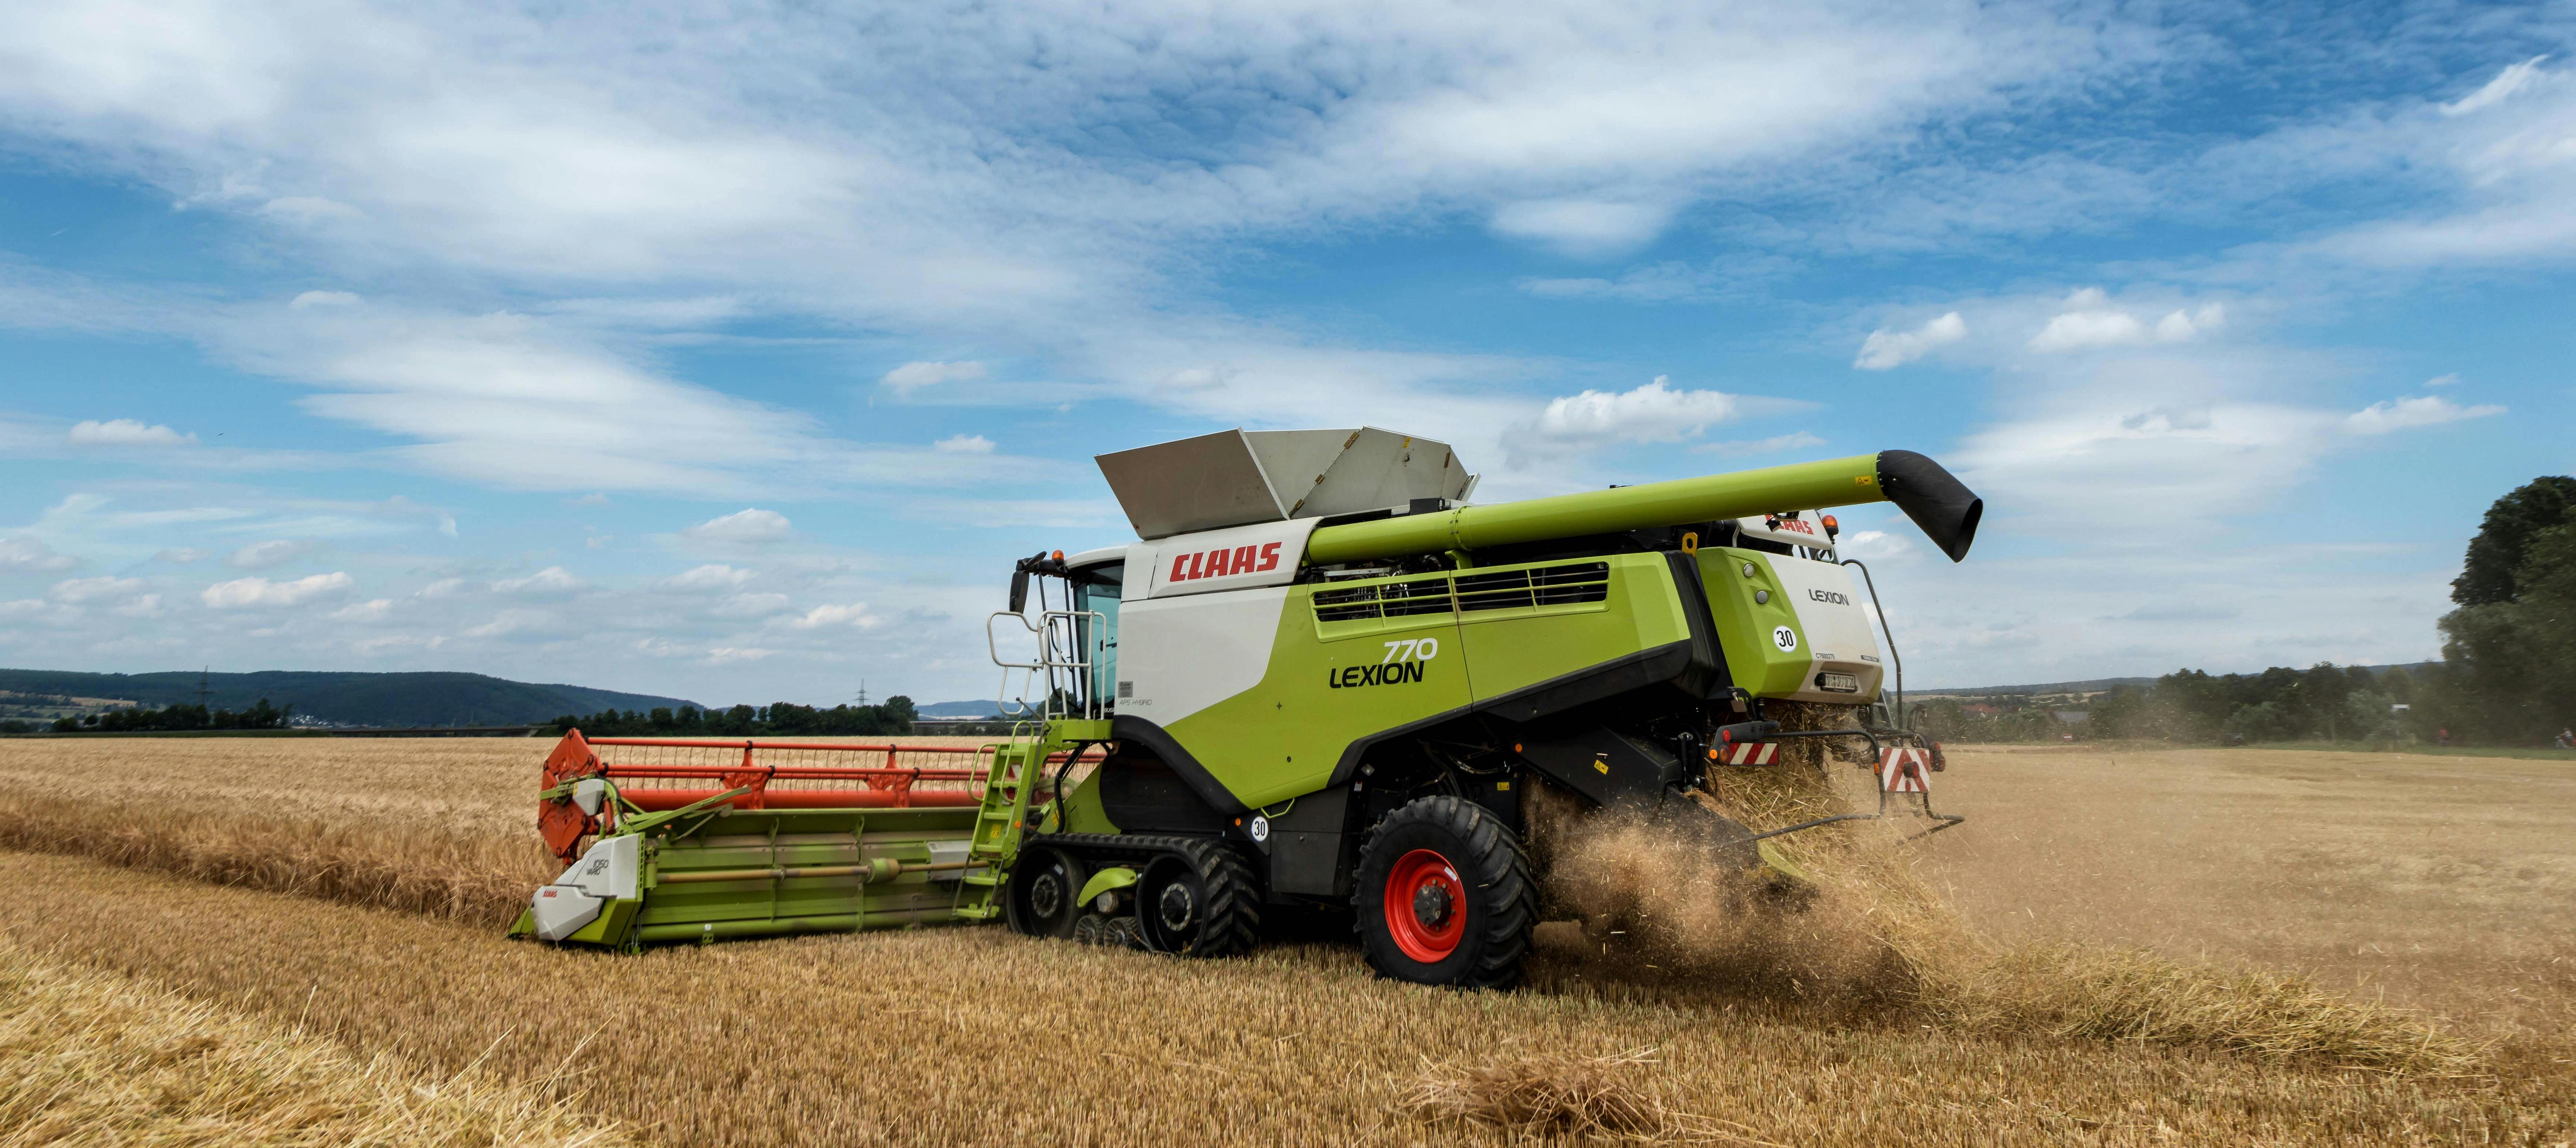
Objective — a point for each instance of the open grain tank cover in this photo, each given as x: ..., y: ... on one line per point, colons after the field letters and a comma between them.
x: 1240, y: 477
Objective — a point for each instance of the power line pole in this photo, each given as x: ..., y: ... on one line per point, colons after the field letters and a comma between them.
x: 863, y: 691
x: 205, y: 691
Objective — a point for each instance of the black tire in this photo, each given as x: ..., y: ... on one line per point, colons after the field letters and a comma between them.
x: 1467, y: 912
x: 1040, y: 901
x: 1199, y: 900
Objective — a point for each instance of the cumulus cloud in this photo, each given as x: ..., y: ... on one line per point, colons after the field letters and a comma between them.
x: 964, y: 444
x: 742, y: 526
x: 104, y: 588
x: 24, y: 553
x: 263, y: 555
x: 2089, y: 323
x: 372, y: 610
x: 551, y: 582
x: 126, y: 432
x: 1886, y: 348
x: 911, y: 377
x: 713, y: 576
x: 855, y: 615
x: 2502, y: 87
x: 2408, y: 413
x: 1651, y: 413
x: 241, y: 593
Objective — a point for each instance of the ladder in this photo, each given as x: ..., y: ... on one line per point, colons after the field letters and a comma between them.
x: 1010, y: 769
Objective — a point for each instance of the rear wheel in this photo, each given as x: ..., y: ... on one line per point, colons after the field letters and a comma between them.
x: 1199, y: 901
x: 1043, y: 886
x: 1445, y: 897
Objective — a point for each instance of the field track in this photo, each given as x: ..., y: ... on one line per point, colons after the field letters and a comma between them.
x: 953, y: 1036
x: 2447, y: 882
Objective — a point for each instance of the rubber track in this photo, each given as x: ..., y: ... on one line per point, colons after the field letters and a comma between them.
x: 1232, y: 923
x: 1497, y: 868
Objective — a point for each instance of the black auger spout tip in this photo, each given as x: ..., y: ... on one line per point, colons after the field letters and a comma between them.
x: 1941, y: 505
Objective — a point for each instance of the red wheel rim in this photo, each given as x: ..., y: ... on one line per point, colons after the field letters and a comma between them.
x: 1425, y: 879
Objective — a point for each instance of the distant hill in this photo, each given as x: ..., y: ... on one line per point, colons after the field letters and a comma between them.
x: 2096, y: 685
x: 349, y: 698
x: 959, y: 709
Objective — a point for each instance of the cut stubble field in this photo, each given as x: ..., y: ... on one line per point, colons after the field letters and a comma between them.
x: 2446, y: 885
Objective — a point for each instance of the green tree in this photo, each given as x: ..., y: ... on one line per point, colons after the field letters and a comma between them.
x: 2496, y: 555
x: 2512, y: 642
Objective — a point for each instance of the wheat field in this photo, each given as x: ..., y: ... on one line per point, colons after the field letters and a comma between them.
x: 974, y: 1036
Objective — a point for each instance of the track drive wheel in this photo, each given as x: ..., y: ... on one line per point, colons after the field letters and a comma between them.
x: 1199, y: 901
x: 1445, y: 897
x: 1040, y: 900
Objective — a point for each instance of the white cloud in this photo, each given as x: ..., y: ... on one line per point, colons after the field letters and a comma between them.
x: 2090, y: 323
x: 263, y: 555
x: 324, y: 299
x: 372, y: 610
x: 911, y: 377
x: 964, y: 444
x: 742, y: 526
x: 1583, y: 228
x: 27, y: 553
x: 262, y: 593
x: 105, y: 588
x: 1651, y: 413
x: 855, y: 615
x: 126, y: 432
x: 713, y: 576
x: 2179, y: 327
x: 724, y: 655
x: 1886, y: 348
x: 183, y: 555
x: 2497, y: 90
x: 551, y: 582
x: 2450, y: 380
x: 2080, y: 330
x: 2408, y: 413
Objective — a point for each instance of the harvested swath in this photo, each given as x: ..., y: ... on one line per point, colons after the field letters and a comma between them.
x: 966, y: 1035
x: 2126, y: 995
x: 93, y: 1058
x: 1864, y: 926
x: 1612, y: 1095
x: 406, y: 865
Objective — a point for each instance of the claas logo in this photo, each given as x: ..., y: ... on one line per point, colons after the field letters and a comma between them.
x: 1222, y: 561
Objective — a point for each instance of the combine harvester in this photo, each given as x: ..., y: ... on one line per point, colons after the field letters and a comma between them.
x: 1352, y: 690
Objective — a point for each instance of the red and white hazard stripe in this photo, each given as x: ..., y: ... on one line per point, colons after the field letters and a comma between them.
x: 1902, y: 769
x: 1751, y: 752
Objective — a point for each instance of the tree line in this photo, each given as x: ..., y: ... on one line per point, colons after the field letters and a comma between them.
x: 172, y: 719
x: 777, y: 719
x: 2507, y: 674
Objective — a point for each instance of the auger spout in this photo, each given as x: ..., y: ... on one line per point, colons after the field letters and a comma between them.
x: 1945, y: 509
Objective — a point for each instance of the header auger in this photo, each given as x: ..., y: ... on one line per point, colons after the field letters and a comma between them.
x: 1321, y: 678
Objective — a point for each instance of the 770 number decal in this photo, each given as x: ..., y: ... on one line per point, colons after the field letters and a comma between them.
x: 1402, y: 664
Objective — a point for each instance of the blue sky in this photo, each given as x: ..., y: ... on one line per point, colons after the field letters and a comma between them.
x: 730, y: 352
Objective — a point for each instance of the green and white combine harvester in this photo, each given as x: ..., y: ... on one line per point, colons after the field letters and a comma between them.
x: 1321, y: 679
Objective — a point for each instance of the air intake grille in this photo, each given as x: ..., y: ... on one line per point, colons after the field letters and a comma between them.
x: 1566, y: 585
x: 1384, y: 600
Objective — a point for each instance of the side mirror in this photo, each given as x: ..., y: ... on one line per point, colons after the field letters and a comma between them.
x: 1019, y: 589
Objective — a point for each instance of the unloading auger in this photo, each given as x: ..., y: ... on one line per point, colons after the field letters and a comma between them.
x: 1352, y: 691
